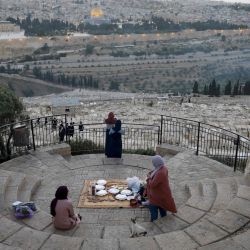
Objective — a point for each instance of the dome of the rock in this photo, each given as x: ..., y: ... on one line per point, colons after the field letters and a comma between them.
x: 96, y: 12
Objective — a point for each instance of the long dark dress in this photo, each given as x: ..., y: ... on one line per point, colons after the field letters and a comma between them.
x: 61, y: 133
x: 107, y: 143
x: 115, y: 140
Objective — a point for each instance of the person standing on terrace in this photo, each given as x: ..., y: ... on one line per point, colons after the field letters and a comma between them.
x: 110, y: 123
x: 115, y: 134
x: 158, y: 190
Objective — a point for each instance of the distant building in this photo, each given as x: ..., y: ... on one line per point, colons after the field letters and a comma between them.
x: 69, y: 106
x: 9, y: 30
x: 97, y: 17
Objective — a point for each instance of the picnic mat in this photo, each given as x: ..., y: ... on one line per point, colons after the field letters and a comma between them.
x: 87, y: 200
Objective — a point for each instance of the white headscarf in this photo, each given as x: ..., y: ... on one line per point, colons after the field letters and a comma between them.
x: 158, y: 163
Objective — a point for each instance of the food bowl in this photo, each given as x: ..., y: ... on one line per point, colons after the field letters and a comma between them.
x: 102, y: 182
x: 99, y: 187
x: 133, y: 203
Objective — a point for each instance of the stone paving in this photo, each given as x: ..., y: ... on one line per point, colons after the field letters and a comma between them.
x: 213, y: 204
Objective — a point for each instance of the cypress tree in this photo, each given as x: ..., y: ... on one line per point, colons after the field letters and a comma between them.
x: 217, y: 90
x: 196, y: 88
x: 213, y: 89
x: 247, y: 88
x: 205, y: 90
x: 236, y: 88
x: 228, y: 88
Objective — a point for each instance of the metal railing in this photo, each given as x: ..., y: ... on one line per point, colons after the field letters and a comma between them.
x: 214, y: 142
x: 44, y: 131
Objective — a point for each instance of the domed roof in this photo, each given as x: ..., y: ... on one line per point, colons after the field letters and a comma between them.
x: 96, y: 12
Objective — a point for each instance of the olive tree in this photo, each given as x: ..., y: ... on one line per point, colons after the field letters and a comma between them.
x: 10, y: 109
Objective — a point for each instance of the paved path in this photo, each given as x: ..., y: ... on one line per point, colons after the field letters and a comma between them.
x: 213, y: 204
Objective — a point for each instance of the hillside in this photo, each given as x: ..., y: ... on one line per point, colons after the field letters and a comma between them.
x: 24, y: 86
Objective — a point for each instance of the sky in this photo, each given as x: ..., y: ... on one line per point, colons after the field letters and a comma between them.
x: 237, y: 1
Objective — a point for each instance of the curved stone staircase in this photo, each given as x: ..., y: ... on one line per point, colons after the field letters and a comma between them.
x: 213, y: 204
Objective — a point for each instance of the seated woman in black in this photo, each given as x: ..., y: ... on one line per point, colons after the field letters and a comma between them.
x: 115, y: 134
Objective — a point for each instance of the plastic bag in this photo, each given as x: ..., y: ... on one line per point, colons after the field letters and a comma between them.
x: 31, y: 205
x: 134, y: 184
x: 23, y: 212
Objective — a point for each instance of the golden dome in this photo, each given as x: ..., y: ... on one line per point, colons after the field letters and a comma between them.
x: 96, y: 12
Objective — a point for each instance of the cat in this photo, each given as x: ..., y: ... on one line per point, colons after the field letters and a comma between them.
x: 136, y: 229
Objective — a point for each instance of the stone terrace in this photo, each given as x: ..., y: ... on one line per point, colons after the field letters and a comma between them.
x: 213, y: 204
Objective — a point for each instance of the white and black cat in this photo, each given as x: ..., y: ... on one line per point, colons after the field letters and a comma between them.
x: 136, y: 229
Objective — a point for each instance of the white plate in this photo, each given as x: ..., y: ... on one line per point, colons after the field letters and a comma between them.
x: 99, y: 187
x: 101, y: 192
x: 130, y: 197
x: 121, y: 197
x: 102, y: 182
x: 113, y: 190
x: 126, y: 192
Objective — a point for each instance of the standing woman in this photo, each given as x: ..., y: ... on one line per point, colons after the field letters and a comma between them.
x: 110, y: 123
x: 115, y: 134
x: 61, y: 209
x: 158, y: 190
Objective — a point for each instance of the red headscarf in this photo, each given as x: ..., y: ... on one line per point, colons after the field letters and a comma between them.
x: 111, y: 118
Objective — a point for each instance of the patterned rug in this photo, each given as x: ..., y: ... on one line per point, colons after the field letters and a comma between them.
x: 87, y: 200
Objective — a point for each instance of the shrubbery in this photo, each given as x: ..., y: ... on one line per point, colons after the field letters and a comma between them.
x: 85, y: 146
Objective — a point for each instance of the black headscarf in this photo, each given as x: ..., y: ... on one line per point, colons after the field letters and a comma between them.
x: 61, y: 194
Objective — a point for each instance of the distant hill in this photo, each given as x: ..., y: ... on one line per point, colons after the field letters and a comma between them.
x: 25, y: 86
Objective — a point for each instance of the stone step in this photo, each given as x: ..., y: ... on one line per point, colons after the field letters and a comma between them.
x: 15, y: 162
x: 228, y: 220
x: 31, y: 183
x: 178, y: 240
x: 205, y: 232
x: 170, y: 223
x: 189, y: 214
x: 201, y: 233
x: 101, y: 244
x: 203, y: 194
x: 244, y: 192
x: 6, y: 247
x: 240, y: 206
x: 116, y: 232
x: 27, y: 238
x: 7, y: 228
x: 4, y: 181
x: 138, y: 243
x: 240, y: 242
x: 29, y: 165
x: 226, y: 191
x: 40, y: 220
x: 16, y: 183
x: 55, y: 242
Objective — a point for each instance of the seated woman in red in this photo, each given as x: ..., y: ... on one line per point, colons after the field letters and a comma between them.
x: 61, y: 209
x: 158, y: 190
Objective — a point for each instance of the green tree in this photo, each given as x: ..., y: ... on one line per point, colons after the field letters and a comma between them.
x: 236, y: 88
x: 205, y: 90
x: 196, y: 88
x: 217, y: 93
x: 228, y: 88
x: 247, y: 88
x: 10, y: 106
x: 114, y: 85
x: 212, y: 90
x: 89, y: 49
